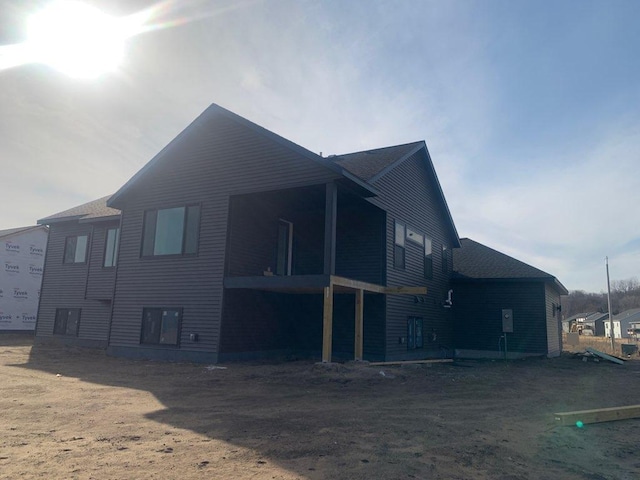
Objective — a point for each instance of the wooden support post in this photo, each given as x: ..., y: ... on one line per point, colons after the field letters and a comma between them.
x: 327, y: 323
x: 596, y: 416
x: 359, y: 323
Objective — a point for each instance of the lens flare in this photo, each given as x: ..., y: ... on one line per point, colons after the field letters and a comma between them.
x: 76, y: 39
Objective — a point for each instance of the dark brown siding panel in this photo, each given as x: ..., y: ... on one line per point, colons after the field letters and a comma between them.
x: 217, y: 159
x: 410, y: 195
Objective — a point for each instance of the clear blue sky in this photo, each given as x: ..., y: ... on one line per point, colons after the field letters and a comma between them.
x: 530, y: 109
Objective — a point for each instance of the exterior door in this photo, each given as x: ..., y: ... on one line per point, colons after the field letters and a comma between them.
x: 285, y: 247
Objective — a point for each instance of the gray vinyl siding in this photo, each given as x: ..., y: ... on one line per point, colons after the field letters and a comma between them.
x: 554, y: 325
x: 64, y: 286
x: 216, y: 159
x: 101, y: 280
x: 410, y: 195
x: 360, y: 242
x: 478, y: 315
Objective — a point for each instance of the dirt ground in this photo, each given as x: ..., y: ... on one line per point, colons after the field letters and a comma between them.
x: 76, y: 413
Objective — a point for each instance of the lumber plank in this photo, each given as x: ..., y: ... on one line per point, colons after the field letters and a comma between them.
x: 359, y: 324
x: 598, y: 415
x: 327, y: 323
x: 403, y: 362
x: 406, y: 290
x: 600, y: 354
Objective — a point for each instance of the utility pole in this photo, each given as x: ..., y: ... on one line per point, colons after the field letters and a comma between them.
x: 613, y: 348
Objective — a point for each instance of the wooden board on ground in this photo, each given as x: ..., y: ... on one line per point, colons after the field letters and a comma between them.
x: 598, y: 415
x: 600, y: 354
x: 400, y: 362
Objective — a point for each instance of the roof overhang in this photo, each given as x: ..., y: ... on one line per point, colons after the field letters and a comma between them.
x: 552, y: 280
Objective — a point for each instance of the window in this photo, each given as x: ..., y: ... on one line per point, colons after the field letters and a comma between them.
x: 399, y: 250
x: 445, y: 259
x: 161, y: 326
x: 111, y: 247
x: 415, y: 338
x: 67, y: 321
x: 75, y: 249
x: 428, y: 258
x: 171, y: 231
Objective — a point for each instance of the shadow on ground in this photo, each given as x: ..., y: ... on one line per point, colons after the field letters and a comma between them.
x: 489, y: 420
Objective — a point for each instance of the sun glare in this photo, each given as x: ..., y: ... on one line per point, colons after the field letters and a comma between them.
x: 84, y: 42
x: 77, y: 39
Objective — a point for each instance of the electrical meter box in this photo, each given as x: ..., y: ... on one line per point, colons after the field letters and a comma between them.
x: 507, y: 321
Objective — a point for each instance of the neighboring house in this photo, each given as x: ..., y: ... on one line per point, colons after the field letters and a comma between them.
x: 502, y: 304
x: 234, y: 242
x: 622, y: 323
x: 22, y: 252
x: 634, y: 330
x: 571, y: 324
x: 77, y: 289
x: 594, y: 323
x: 590, y: 323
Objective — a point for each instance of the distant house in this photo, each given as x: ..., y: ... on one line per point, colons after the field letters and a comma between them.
x: 622, y: 323
x: 22, y: 252
x: 569, y: 324
x: 595, y: 323
x: 234, y: 243
x: 589, y: 323
x: 503, y: 305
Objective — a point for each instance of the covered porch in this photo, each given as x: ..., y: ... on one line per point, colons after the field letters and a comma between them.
x: 328, y: 286
x: 319, y: 242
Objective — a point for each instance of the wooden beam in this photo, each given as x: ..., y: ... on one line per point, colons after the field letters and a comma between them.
x: 327, y: 323
x: 402, y: 362
x: 356, y: 284
x: 406, y: 290
x: 374, y: 288
x: 597, y: 415
x: 359, y: 324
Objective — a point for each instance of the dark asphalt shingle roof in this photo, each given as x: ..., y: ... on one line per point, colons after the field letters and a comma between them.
x: 369, y: 163
x: 631, y: 315
x: 90, y: 210
x: 477, y: 261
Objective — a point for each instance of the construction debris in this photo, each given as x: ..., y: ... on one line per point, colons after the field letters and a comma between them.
x: 583, y: 417
x: 605, y: 356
